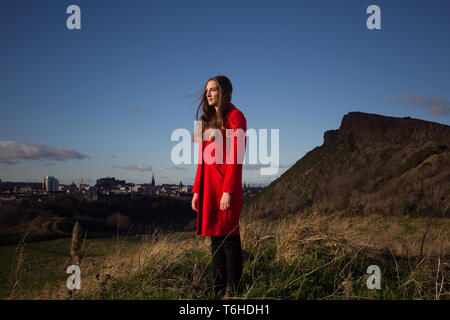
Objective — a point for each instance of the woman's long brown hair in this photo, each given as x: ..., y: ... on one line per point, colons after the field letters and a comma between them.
x: 210, y: 118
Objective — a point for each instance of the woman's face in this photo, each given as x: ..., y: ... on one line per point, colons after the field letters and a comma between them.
x: 212, y: 92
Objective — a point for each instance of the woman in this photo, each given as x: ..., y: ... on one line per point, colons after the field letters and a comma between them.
x: 217, y: 189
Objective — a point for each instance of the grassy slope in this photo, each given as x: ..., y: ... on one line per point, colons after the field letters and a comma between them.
x: 298, y: 257
x: 378, y: 179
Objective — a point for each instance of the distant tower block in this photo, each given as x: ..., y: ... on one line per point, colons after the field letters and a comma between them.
x: 51, y: 184
x: 153, y: 180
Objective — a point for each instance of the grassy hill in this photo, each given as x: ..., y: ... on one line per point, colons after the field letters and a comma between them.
x: 306, y: 256
x: 371, y: 164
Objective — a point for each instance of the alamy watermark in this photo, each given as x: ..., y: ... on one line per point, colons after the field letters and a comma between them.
x: 236, y: 143
x: 374, y: 281
x: 74, y: 281
x: 374, y: 20
x: 73, y: 22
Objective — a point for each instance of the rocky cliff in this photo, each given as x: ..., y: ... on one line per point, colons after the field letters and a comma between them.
x: 371, y: 164
x: 364, y: 129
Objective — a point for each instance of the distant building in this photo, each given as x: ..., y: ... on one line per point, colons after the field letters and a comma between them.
x: 153, y: 180
x: 26, y: 189
x: 51, y: 184
x: 109, y: 183
x: 72, y: 187
x: 186, y: 189
x: 82, y: 186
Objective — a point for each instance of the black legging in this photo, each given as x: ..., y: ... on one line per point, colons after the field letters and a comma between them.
x: 227, y: 260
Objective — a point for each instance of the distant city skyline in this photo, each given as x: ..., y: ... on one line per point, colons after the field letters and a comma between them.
x: 104, y: 100
x: 92, y: 183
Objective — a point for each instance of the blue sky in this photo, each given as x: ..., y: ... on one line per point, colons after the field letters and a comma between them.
x: 104, y: 100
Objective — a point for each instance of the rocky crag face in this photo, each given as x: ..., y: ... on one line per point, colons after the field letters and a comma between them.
x: 371, y: 164
x: 364, y: 129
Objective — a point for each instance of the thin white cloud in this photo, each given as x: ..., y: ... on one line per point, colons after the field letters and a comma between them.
x: 178, y: 168
x: 11, y: 151
x: 140, y: 167
x: 6, y: 161
x: 437, y: 106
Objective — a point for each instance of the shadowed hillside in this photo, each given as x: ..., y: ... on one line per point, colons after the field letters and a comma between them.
x: 371, y: 164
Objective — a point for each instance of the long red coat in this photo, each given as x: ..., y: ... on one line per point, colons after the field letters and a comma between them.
x: 212, y: 180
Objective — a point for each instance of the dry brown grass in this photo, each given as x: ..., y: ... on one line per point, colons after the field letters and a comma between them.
x: 402, y: 235
x: 158, y: 253
x: 155, y: 253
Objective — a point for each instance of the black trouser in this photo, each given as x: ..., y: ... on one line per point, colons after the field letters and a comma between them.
x: 227, y: 260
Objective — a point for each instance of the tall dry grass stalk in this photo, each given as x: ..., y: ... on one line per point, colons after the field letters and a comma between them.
x: 75, y: 251
x: 15, y: 274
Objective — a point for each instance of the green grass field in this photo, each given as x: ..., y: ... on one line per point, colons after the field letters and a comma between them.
x: 290, y: 258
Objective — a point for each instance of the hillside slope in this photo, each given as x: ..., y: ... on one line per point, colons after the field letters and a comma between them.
x: 371, y: 164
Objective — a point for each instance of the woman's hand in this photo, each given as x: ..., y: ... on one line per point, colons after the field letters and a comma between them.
x: 225, y: 202
x: 195, y: 202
